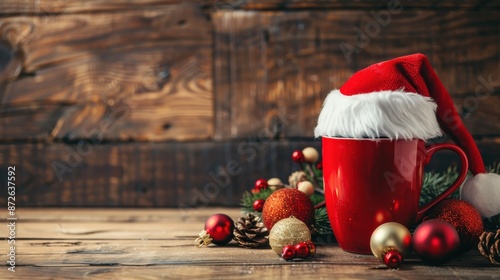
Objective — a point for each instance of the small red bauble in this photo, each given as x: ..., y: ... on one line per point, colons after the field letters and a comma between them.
x: 287, y: 202
x: 258, y: 205
x: 298, y: 156
x: 435, y: 241
x: 393, y: 259
x: 302, y: 250
x: 312, y: 248
x: 463, y: 217
x: 261, y: 184
x: 319, y: 165
x: 288, y: 252
x: 220, y: 227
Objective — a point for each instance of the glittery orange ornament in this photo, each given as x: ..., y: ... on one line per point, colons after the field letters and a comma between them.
x: 463, y: 217
x: 287, y: 202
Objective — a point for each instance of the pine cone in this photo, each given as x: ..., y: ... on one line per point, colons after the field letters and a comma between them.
x: 250, y: 232
x: 489, y: 246
x: 296, y: 177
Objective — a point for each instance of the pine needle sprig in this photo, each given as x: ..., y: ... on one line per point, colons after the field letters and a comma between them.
x: 317, y: 198
x: 322, y: 223
x: 249, y: 198
x: 436, y: 183
x: 494, y: 168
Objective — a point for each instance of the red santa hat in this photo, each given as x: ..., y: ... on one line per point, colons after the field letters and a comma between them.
x: 403, y: 98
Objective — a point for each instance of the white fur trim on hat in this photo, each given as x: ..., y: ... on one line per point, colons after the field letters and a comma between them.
x: 391, y: 114
x: 483, y: 192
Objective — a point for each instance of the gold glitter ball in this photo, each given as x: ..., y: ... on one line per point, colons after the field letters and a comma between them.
x: 288, y: 231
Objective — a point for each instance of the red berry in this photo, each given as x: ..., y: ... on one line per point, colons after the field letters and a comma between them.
x: 319, y: 165
x: 298, y: 156
x: 288, y: 252
x: 312, y: 248
x: 261, y: 184
x: 302, y: 250
x: 258, y: 205
x: 393, y: 259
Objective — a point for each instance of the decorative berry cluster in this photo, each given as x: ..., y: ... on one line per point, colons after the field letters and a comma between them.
x: 308, y: 179
x: 302, y: 250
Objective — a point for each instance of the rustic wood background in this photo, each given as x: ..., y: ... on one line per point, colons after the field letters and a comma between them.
x: 140, y: 103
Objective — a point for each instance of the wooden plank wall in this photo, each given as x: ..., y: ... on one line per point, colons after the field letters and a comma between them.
x: 136, y: 102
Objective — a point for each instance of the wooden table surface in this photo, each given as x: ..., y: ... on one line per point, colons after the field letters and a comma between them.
x: 64, y: 243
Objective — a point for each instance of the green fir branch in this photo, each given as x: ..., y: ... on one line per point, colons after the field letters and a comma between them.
x: 436, y: 183
x: 317, y: 198
x: 249, y: 198
x: 322, y: 223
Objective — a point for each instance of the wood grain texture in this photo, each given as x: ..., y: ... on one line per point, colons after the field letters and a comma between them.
x: 144, y: 174
x: 160, y: 174
x: 47, y: 7
x: 137, y: 75
x: 367, y: 4
x: 158, y: 243
x: 277, y: 67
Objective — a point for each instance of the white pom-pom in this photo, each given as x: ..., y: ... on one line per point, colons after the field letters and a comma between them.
x: 483, y: 192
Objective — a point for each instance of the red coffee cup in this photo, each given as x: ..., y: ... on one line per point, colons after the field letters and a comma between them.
x: 369, y: 182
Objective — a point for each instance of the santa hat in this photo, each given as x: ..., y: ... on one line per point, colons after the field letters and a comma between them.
x: 403, y: 98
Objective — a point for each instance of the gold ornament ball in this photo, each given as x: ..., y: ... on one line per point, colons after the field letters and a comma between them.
x: 390, y: 236
x: 310, y: 154
x: 289, y: 231
x: 306, y: 187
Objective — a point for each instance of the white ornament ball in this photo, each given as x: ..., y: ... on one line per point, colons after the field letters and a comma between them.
x: 306, y: 187
x: 275, y: 184
x: 310, y: 154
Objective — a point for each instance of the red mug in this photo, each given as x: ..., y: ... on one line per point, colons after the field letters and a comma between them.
x: 369, y: 182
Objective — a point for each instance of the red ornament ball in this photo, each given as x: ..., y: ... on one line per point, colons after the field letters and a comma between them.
x: 220, y: 227
x: 393, y: 259
x: 288, y: 252
x: 302, y: 250
x: 260, y: 184
x: 435, y: 241
x: 258, y: 205
x: 298, y: 156
x: 287, y: 202
x: 463, y: 217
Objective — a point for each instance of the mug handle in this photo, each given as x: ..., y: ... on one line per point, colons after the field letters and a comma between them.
x: 461, y: 177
